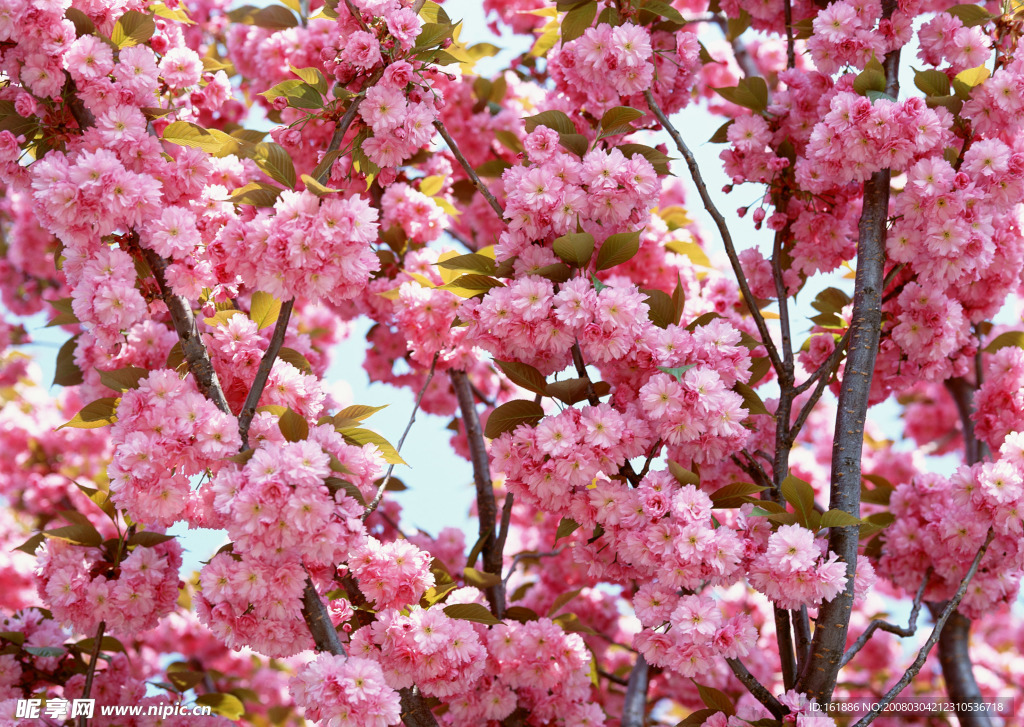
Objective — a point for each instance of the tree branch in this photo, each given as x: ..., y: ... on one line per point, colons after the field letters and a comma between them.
x: 634, y: 709
x: 252, y: 400
x: 325, y: 636
x: 470, y: 172
x: 90, y: 673
x: 880, y: 624
x: 922, y: 655
x: 416, y: 407
x: 487, y: 509
x: 757, y: 689
x: 833, y: 620
x: 723, y: 230
x: 957, y: 670
x: 196, y: 355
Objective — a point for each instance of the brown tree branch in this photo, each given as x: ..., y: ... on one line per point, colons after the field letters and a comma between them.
x: 487, y: 509
x: 252, y: 400
x: 90, y: 673
x: 882, y: 625
x: 922, y: 655
x: 464, y: 163
x: 634, y: 709
x: 757, y: 689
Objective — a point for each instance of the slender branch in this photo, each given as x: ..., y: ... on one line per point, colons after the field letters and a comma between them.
x: 635, y: 708
x: 958, y: 673
x: 342, y: 128
x: 487, y: 509
x: 325, y: 636
x: 880, y: 624
x: 612, y: 678
x: 259, y: 383
x: 922, y: 655
x: 356, y: 14
x: 825, y: 370
x: 416, y: 407
x: 415, y: 712
x: 833, y: 620
x: 506, y: 520
x: 520, y: 557
x: 963, y: 393
x: 196, y: 355
x: 473, y: 176
x: 802, y: 632
x: 90, y: 673
x: 723, y: 230
x: 787, y: 655
x: 819, y: 389
x: 757, y: 689
x: 790, y: 42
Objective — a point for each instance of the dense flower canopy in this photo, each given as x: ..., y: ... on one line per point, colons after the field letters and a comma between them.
x: 684, y: 512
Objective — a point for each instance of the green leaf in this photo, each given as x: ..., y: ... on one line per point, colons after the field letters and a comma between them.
x: 510, y: 415
x: 350, y: 415
x: 521, y: 614
x: 474, y: 262
x: 556, y: 273
x: 576, y: 248
x: 185, y: 679
x: 77, y: 534
x: 315, y: 187
x: 869, y: 80
x: 664, y: 10
x: 735, y: 27
x: 566, y: 527
x: 577, y: 20
x: 46, y: 650
x: 293, y: 426
x: 1005, y: 340
x: 432, y: 34
x: 334, y: 484
x: 576, y: 143
x: 258, y: 194
x: 721, y: 136
x: 123, y: 379
x: 184, y: 133
x: 472, y: 284
x: 561, y: 601
x: 661, y: 309
x: 360, y: 437
x: 493, y: 168
x: 67, y: 372
x: 676, y: 371
x: 32, y: 544
x: 683, y: 476
x: 619, y: 116
x: 838, y: 519
x: 735, y: 495
x: 524, y: 375
x: 226, y: 705
x: 296, y: 359
x: 750, y: 93
x: 65, y: 313
x: 751, y: 401
x: 617, y: 249
x: 932, y: 82
x: 970, y: 15
x: 715, y: 699
x: 300, y: 95
x: 471, y: 612
x: 573, y: 391
x: 556, y: 120
x: 881, y: 493
x: 162, y: 11
x: 99, y: 413
x: 658, y: 159
x: 133, y: 28
x: 431, y: 12
x: 479, y: 579
x: 875, y: 523
x: 800, y: 495
x: 313, y: 77
x: 275, y: 161
x: 274, y: 17
x: 264, y: 309
x: 148, y: 539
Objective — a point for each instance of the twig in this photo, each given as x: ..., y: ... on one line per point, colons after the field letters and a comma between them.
x: 506, y: 519
x: 342, y: 128
x: 787, y: 655
x: 192, y: 347
x: 790, y: 42
x: 922, y: 655
x: 473, y: 176
x: 416, y: 407
x: 635, y: 707
x: 357, y: 15
x: 826, y: 368
x: 520, y: 557
x: 325, y: 636
x: 757, y: 689
x: 881, y: 624
x: 487, y: 509
x: 259, y: 383
x: 802, y: 633
x: 723, y: 230
x: 90, y: 673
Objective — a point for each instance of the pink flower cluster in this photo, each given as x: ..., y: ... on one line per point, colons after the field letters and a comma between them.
x: 415, y: 213
x: 391, y: 575
x: 944, y: 37
x: 166, y: 432
x: 608, y: 59
x: 345, y: 692
x: 794, y: 570
x: 16, y: 672
x: 698, y: 633
x: 858, y: 138
x: 941, y: 524
x: 319, y: 249
x: 401, y: 121
x: 845, y: 34
x: 999, y: 401
x: 131, y: 598
x: 440, y: 655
